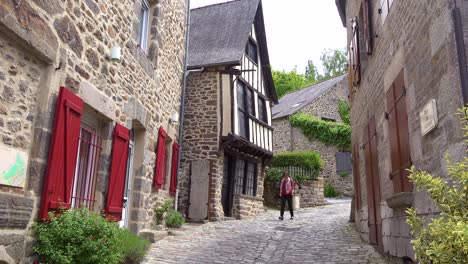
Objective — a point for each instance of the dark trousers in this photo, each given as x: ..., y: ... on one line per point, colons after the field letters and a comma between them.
x: 283, y: 203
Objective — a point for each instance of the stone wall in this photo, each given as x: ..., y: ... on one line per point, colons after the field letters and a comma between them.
x: 311, y: 193
x: 418, y: 37
x: 246, y: 206
x: 326, y: 105
x: 46, y: 44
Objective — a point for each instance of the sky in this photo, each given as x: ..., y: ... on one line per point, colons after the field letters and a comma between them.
x: 298, y: 31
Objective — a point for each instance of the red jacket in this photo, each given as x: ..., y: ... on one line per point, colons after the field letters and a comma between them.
x: 286, y: 186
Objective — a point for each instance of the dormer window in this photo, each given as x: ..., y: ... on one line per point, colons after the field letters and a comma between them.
x: 144, y: 22
x: 251, y: 51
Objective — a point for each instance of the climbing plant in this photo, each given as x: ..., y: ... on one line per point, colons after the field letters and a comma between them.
x: 343, y: 110
x: 444, y: 239
x: 330, y: 133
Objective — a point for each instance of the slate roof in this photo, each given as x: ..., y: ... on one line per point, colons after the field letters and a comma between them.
x: 293, y: 102
x: 219, y: 33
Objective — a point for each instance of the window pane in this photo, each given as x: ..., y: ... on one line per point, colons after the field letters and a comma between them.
x: 250, y: 190
x: 240, y: 95
x: 143, y: 30
x: 242, y: 123
x: 251, y: 51
x: 250, y: 102
x: 240, y: 170
x: 261, y: 110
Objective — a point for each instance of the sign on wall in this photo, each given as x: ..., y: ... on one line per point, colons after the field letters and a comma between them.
x: 428, y: 117
x: 13, y: 166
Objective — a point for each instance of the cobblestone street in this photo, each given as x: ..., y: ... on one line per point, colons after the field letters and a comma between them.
x: 316, y: 235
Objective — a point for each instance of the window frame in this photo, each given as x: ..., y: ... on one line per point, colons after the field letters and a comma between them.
x: 144, y: 25
x: 247, y: 175
x: 250, y: 47
x: 262, y: 111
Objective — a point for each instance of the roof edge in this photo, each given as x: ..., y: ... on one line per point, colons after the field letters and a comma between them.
x: 341, y: 6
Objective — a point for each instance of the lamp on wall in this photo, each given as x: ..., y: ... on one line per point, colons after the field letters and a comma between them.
x: 174, y: 119
x: 114, y: 54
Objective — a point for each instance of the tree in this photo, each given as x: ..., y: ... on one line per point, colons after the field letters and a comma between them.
x: 311, y: 73
x: 286, y: 82
x: 334, y: 62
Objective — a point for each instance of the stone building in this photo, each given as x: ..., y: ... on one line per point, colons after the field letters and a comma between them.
x: 408, y: 78
x: 78, y: 127
x: 321, y: 101
x: 227, y: 126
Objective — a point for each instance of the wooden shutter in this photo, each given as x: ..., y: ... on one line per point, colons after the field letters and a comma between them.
x: 399, y: 135
x: 356, y: 54
x: 175, y: 156
x: 367, y: 25
x: 373, y: 183
x: 63, y: 151
x: 356, y: 176
x: 160, y: 159
x: 118, y: 171
x: 350, y: 72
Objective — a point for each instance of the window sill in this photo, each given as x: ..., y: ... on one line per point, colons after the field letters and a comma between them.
x: 400, y: 200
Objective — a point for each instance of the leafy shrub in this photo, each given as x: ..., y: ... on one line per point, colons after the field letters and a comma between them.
x: 160, y: 210
x: 306, y: 159
x: 343, y: 110
x: 77, y: 236
x: 174, y: 219
x: 343, y: 174
x: 330, y: 133
x: 443, y: 240
x: 329, y: 190
x: 133, y: 247
x: 273, y: 174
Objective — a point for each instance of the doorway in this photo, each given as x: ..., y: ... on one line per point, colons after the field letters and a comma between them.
x: 228, y: 183
x: 128, y: 182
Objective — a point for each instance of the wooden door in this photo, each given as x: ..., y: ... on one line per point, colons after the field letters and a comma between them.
x: 373, y: 184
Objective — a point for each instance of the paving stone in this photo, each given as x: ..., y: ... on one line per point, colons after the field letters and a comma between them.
x: 316, y: 235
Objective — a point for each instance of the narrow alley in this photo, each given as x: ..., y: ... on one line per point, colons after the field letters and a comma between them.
x: 316, y: 235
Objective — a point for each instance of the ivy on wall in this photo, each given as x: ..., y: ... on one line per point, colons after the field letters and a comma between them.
x: 343, y: 110
x: 330, y: 133
x: 306, y: 159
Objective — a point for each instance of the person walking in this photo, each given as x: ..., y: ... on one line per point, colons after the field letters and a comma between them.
x: 286, y: 193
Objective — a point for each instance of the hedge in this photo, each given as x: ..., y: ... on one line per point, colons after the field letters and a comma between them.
x: 307, y: 160
x: 330, y: 133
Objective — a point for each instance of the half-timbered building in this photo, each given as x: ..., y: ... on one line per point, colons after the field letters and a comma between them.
x: 408, y: 76
x: 227, y: 127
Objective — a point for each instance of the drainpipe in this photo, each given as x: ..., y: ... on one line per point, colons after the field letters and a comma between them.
x: 460, y: 51
x: 182, y: 100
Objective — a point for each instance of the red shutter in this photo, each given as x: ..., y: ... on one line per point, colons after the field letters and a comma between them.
x: 118, y: 171
x: 367, y: 23
x: 175, y: 156
x: 160, y: 159
x: 356, y: 176
x: 58, y: 180
x: 356, y: 54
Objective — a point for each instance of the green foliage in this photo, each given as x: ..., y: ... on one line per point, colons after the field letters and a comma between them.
x: 330, y: 133
x: 133, y: 247
x: 344, y: 174
x: 273, y: 174
x: 329, y: 190
x: 160, y: 209
x: 445, y: 239
x: 286, y: 82
x: 343, y: 110
x: 77, y: 236
x: 334, y: 62
x: 306, y: 159
x: 174, y: 219
x: 311, y: 73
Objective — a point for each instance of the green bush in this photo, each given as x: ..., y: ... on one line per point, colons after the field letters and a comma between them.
x: 343, y: 110
x: 174, y: 219
x: 160, y: 209
x: 329, y: 190
x: 133, y: 247
x: 273, y: 174
x: 343, y: 174
x: 330, y: 133
x: 308, y: 160
x: 444, y: 239
x: 77, y: 236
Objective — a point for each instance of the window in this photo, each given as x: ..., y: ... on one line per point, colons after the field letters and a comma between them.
x: 84, y: 182
x: 251, y: 51
x: 243, y: 106
x: 343, y: 163
x: 246, y: 177
x: 384, y: 9
x: 354, y: 58
x: 144, y: 22
x: 328, y: 119
x: 262, y: 115
x: 399, y: 135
